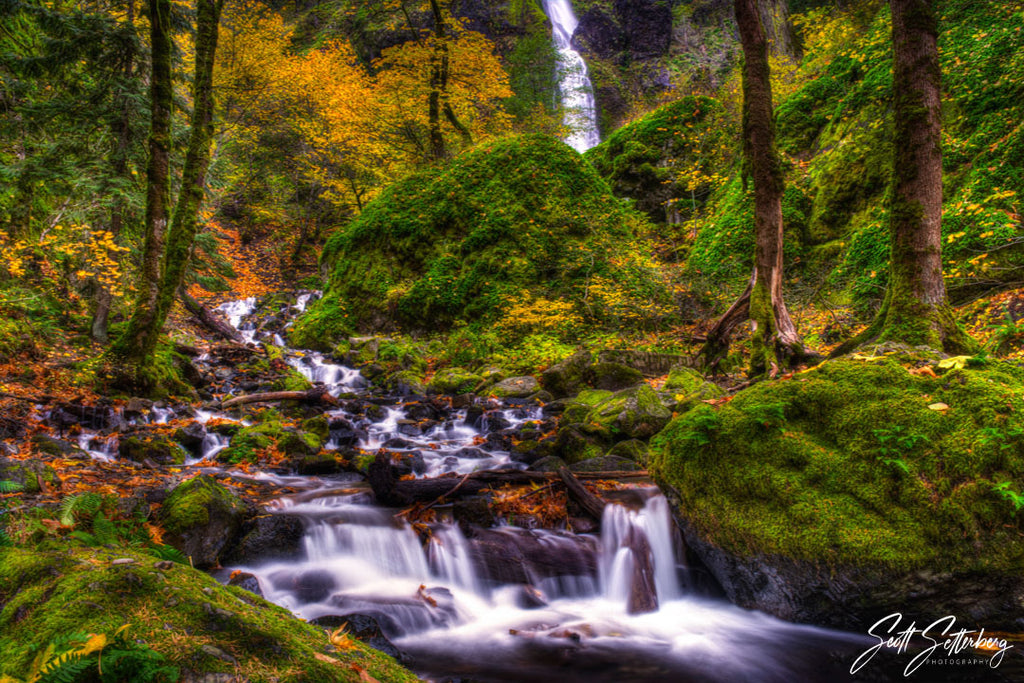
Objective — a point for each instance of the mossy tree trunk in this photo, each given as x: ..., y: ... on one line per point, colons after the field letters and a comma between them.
x: 915, y: 310
x: 162, y: 283
x: 775, y: 341
x: 136, y: 344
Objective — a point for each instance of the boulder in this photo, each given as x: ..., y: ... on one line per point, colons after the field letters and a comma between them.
x: 515, y: 387
x: 41, y: 443
x: 32, y: 475
x: 568, y: 377
x: 633, y: 449
x: 453, y: 381
x: 685, y: 388
x: 843, y: 495
x: 612, y: 376
x: 201, y: 518
x: 268, y: 537
x: 605, y: 463
x: 153, y: 447
x: 575, y: 444
x: 635, y: 413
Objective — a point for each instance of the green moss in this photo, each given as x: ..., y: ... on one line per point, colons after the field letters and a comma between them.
x: 191, y: 502
x: 577, y: 408
x: 159, y: 448
x: 848, y: 464
x: 460, y: 243
x: 454, y: 381
x: 50, y: 591
x: 635, y: 413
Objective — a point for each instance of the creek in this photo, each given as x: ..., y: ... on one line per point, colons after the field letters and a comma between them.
x: 503, y: 603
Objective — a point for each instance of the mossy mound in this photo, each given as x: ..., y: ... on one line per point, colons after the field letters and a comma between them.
x: 515, y: 221
x: 858, y: 462
x: 671, y: 154
x: 198, y: 625
x: 158, y: 448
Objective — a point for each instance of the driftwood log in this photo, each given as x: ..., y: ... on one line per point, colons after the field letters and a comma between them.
x: 209, y: 320
x: 314, y: 395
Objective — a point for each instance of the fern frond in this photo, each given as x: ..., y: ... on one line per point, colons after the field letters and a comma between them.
x: 7, y: 486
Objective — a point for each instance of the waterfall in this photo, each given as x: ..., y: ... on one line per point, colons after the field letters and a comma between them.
x: 573, y: 80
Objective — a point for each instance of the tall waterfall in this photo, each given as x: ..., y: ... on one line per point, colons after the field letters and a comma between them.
x: 573, y: 80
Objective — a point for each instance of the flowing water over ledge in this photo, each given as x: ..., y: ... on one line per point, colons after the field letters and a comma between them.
x: 505, y: 603
x: 574, y: 86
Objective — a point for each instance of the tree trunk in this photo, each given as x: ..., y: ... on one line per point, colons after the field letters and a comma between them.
x: 137, y: 343
x: 141, y: 341
x: 775, y: 341
x: 915, y: 310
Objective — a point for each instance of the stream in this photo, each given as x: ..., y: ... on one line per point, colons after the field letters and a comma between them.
x: 502, y: 603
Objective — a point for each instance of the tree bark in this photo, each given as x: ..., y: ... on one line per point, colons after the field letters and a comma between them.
x: 148, y: 320
x: 775, y: 341
x: 136, y: 344
x: 915, y: 310
x: 314, y: 395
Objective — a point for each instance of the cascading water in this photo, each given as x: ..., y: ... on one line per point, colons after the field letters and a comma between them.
x: 492, y: 604
x: 574, y: 85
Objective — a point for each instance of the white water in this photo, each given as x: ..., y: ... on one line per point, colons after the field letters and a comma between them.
x: 574, y: 84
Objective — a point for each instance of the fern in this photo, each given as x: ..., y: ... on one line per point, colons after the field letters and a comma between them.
x: 66, y: 668
x: 103, y: 529
x: 80, y: 505
x: 166, y: 552
x: 9, y: 486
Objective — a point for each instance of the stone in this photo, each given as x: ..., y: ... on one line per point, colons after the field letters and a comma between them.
x: 567, y: 378
x: 605, y: 463
x: 515, y: 387
x: 201, y: 518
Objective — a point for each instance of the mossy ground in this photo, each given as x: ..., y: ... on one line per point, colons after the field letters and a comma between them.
x: 857, y: 462
x: 54, y: 590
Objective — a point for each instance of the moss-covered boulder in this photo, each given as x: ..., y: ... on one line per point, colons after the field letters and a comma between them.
x: 405, y: 382
x: 515, y: 387
x: 685, y: 388
x: 857, y: 489
x: 175, y: 615
x: 605, y: 463
x: 633, y: 449
x: 568, y: 377
x: 202, y: 517
x: 612, y: 376
x: 297, y: 443
x: 574, y: 443
x: 454, y: 381
x: 578, y: 407
x: 158, y: 448
x: 635, y: 413
x: 32, y: 475
x: 48, y: 445
x: 461, y: 243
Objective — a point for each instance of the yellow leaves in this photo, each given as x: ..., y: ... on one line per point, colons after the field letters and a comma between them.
x: 340, y: 639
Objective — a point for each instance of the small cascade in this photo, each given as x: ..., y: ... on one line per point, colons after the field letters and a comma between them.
x: 574, y: 84
x: 99, y: 448
x: 337, y: 378
x: 625, y: 534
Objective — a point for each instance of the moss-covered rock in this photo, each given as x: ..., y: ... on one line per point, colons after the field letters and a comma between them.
x: 48, y: 445
x: 201, y: 517
x: 247, y: 442
x: 633, y: 449
x: 612, y: 376
x: 568, y: 377
x: 551, y: 463
x: 458, y: 244
x: 858, y: 468
x: 578, y: 407
x: 605, y: 463
x: 515, y: 387
x: 405, y: 382
x: 200, y: 627
x: 32, y: 475
x: 297, y: 443
x: 635, y: 413
x: 454, y: 381
x: 574, y: 443
x: 158, y: 448
x: 685, y: 388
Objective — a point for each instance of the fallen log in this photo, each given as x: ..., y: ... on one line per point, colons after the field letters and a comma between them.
x: 590, y: 503
x: 210, y: 321
x: 314, y: 395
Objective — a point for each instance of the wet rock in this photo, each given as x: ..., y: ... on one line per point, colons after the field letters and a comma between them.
x: 612, y: 376
x: 528, y: 597
x: 494, y: 421
x: 462, y: 401
x: 409, y: 428
x: 473, y: 511
x: 41, y: 443
x: 201, y: 518
x: 362, y: 627
x: 515, y: 387
x: 530, y: 450
x: 471, y: 453
x: 153, y: 447
x: 224, y: 428
x: 94, y: 417
x: 343, y: 433
x: 137, y: 407
x: 299, y: 444
x: 551, y: 463
x: 599, y: 34
x: 567, y: 378
x: 648, y: 26
x: 397, y: 616
x: 422, y: 411
x: 643, y: 596
x: 191, y: 437
x: 511, y: 555
x: 496, y: 441
x: 605, y: 463
x: 246, y: 581
x: 33, y: 475
x: 314, y: 586
x: 409, y: 463
x: 398, y: 442
x: 323, y: 462
x: 474, y: 415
